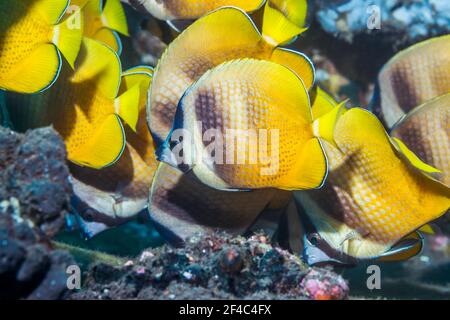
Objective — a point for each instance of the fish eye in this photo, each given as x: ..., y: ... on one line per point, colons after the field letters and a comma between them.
x: 314, y: 238
x: 89, y: 215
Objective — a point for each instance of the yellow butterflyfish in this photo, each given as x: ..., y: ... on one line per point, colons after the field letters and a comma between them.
x: 414, y: 76
x: 104, y: 19
x: 180, y: 206
x: 247, y: 125
x: 113, y: 195
x: 88, y: 109
x: 223, y: 35
x: 426, y: 131
x: 33, y: 37
x: 191, y: 9
x: 376, y: 197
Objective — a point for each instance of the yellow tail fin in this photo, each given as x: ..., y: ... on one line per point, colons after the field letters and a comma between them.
x: 323, y: 103
x: 127, y: 106
x: 104, y: 148
x: 113, y: 17
x: 67, y: 36
x: 323, y: 127
x: 284, y: 20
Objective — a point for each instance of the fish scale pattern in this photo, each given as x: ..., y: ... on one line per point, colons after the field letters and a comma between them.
x: 426, y: 132
x: 414, y: 76
x: 372, y: 190
x: 237, y: 100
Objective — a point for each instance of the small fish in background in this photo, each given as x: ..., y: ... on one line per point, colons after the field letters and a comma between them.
x: 223, y: 35
x: 426, y: 131
x: 377, y: 195
x: 116, y: 194
x: 251, y: 96
x: 414, y: 76
x: 104, y: 19
x: 180, y: 205
x: 179, y: 13
x: 33, y: 38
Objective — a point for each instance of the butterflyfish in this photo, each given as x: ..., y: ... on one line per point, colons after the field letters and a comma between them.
x: 34, y: 39
x: 377, y: 195
x: 104, y: 21
x: 247, y: 124
x: 225, y: 34
x: 414, y: 76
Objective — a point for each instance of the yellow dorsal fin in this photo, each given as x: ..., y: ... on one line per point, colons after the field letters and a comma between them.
x: 104, y: 148
x: 113, y: 16
x: 67, y: 36
x: 412, y: 157
x: 99, y: 60
x: 311, y: 170
x: 323, y: 127
x: 52, y: 10
x: 127, y: 106
x: 284, y: 20
x: 323, y: 103
x: 36, y: 73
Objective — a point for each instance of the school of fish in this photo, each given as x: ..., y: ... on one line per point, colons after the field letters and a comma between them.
x: 332, y: 184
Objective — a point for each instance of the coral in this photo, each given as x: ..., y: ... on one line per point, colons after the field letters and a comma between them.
x: 33, y: 171
x: 405, y: 20
x: 214, y: 266
x: 34, y: 194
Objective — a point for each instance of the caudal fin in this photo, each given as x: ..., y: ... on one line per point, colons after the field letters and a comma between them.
x: 113, y: 16
x: 284, y: 20
x: 67, y: 36
x: 127, y: 106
